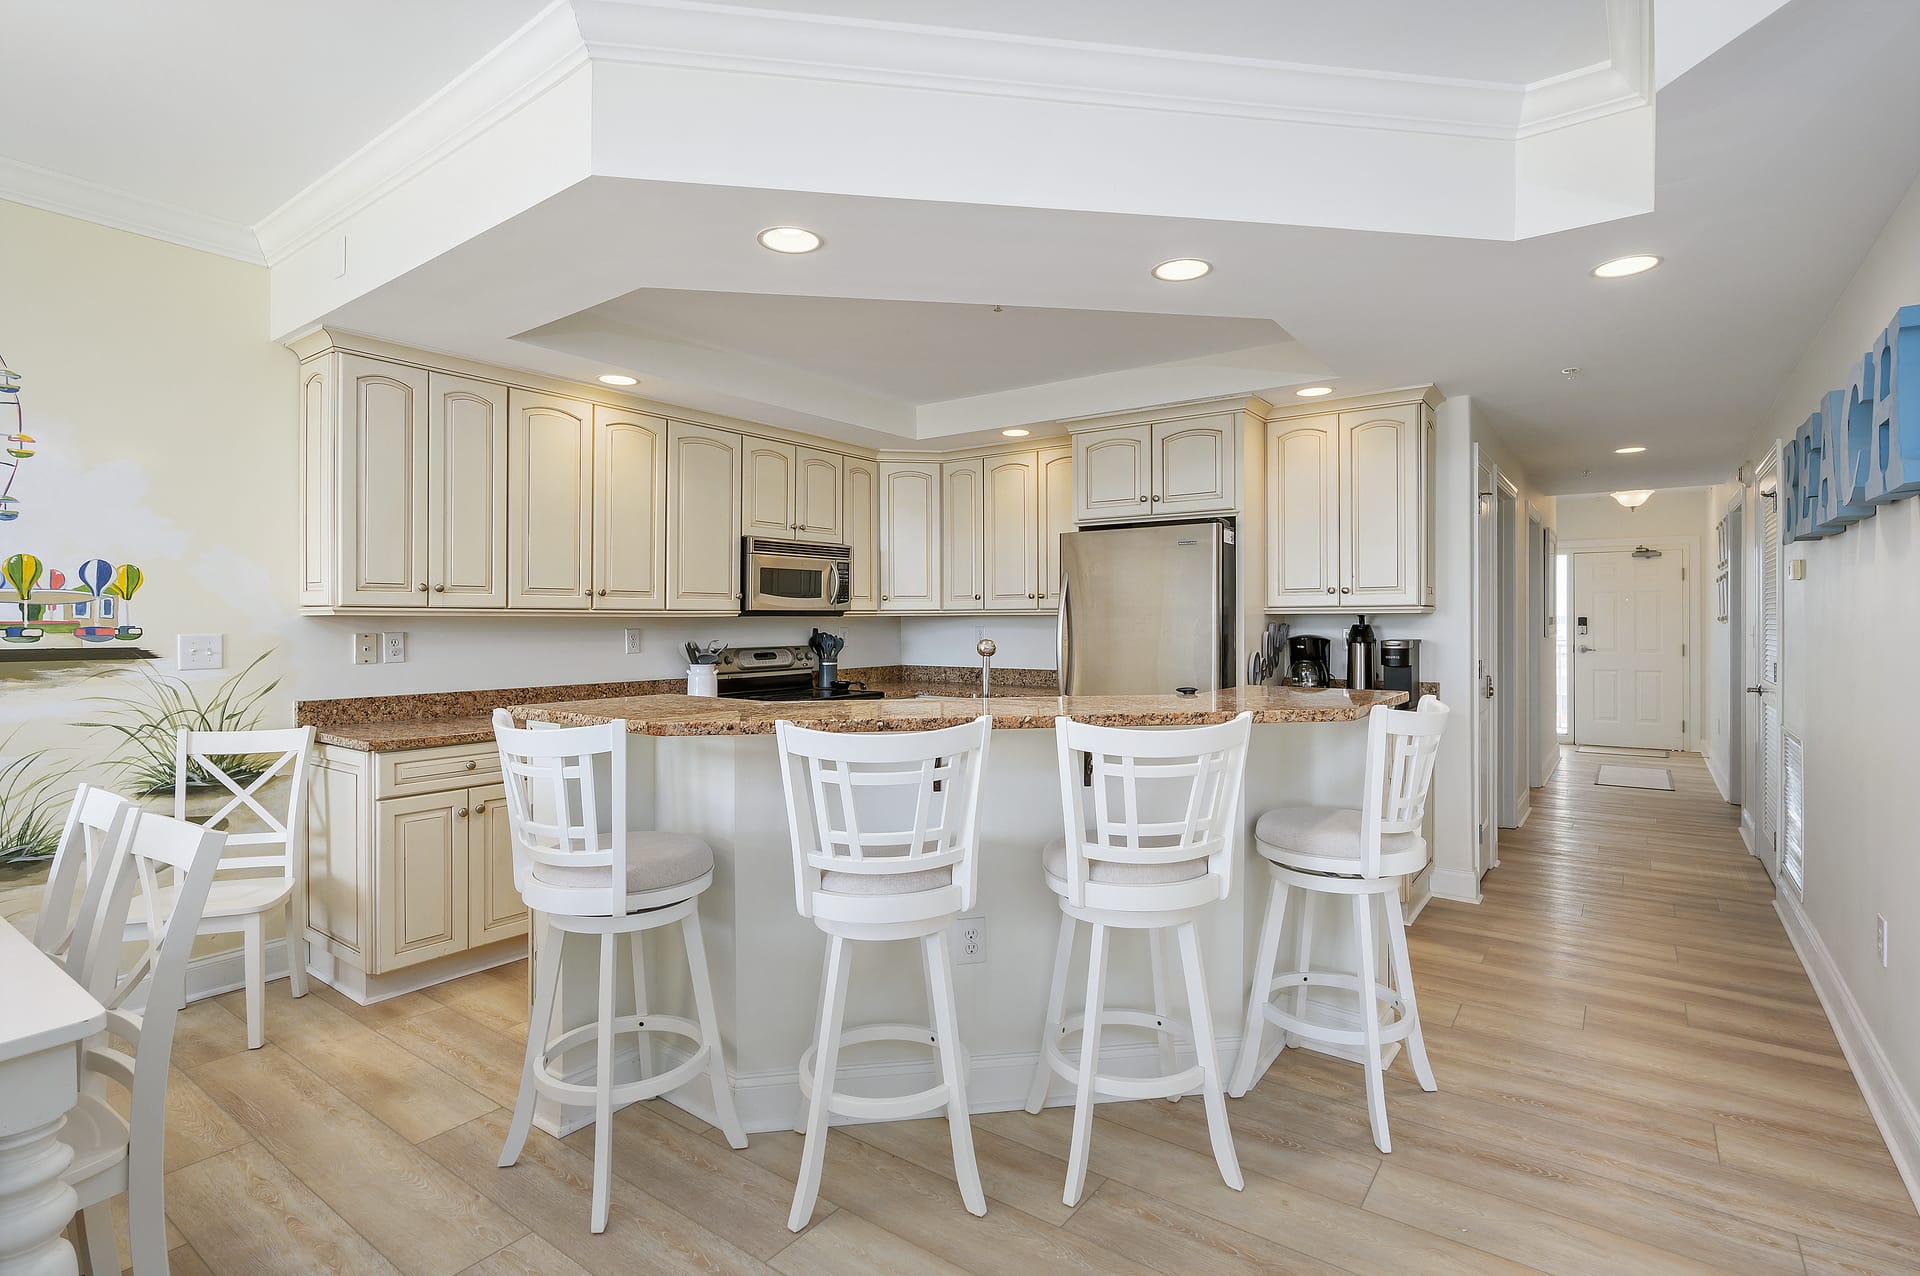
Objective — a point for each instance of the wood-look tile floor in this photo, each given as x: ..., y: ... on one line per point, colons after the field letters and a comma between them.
x: 1635, y: 1076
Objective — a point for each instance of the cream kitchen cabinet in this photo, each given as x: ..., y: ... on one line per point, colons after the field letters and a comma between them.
x: 909, y: 536
x: 1350, y: 515
x: 860, y: 506
x: 403, y: 486
x: 550, y: 501
x: 409, y: 861
x: 792, y: 492
x: 703, y: 518
x: 1182, y: 466
x: 629, y: 510
x: 1011, y: 541
x: 963, y: 515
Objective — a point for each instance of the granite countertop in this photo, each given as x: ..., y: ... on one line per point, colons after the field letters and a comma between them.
x: 925, y: 707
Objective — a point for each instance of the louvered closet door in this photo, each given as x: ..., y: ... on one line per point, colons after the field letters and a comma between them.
x: 1768, y: 840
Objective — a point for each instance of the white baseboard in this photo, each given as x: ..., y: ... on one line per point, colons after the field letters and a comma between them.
x: 1456, y: 884
x: 1894, y: 1110
x: 367, y: 990
x: 1747, y: 833
x: 216, y: 973
x: 1422, y: 896
x: 1719, y: 776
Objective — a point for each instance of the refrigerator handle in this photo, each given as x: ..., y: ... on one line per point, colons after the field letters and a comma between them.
x: 1063, y: 635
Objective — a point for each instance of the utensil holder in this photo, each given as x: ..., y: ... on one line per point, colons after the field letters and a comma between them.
x: 703, y: 680
x: 826, y: 674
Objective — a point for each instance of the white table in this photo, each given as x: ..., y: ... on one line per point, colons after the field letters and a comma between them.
x: 44, y: 1018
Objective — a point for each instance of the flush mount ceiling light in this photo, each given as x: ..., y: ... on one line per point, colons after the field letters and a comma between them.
x: 1621, y: 267
x: 614, y: 378
x: 1016, y: 434
x: 1628, y: 451
x: 1314, y: 391
x: 1181, y: 269
x: 1635, y: 499
x: 789, y: 239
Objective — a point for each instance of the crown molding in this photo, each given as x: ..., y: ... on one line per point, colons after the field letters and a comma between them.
x: 524, y: 66
x: 122, y: 210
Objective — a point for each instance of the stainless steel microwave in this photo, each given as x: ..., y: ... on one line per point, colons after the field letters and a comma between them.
x: 794, y: 576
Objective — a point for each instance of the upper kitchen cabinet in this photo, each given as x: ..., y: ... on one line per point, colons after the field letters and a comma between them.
x: 629, y: 510
x: 909, y: 536
x: 703, y: 518
x: 1055, y: 488
x: 791, y: 493
x: 1012, y: 538
x: 550, y: 479
x: 860, y: 505
x: 1350, y: 518
x: 963, y: 534
x: 403, y: 486
x: 1178, y: 466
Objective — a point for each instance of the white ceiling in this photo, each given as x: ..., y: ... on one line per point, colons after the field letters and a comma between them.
x: 225, y: 108
x: 1500, y: 41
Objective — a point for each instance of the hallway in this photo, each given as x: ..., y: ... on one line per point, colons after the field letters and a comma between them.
x: 1634, y: 1075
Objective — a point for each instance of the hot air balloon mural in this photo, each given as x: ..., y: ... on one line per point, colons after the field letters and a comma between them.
x: 97, y: 576
x: 93, y: 605
x: 18, y: 444
x: 126, y: 582
x: 22, y: 572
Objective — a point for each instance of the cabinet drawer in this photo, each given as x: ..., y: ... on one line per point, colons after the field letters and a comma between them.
x: 431, y: 770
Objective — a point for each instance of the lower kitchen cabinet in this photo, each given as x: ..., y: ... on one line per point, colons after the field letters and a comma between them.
x: 409, y: 861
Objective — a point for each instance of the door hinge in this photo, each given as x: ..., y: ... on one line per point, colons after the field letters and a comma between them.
x: 1683, y: 648
x: 1683, y: 728
x: 1683, y: 573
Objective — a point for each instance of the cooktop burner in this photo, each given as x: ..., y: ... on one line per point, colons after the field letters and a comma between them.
x: 800, y: 693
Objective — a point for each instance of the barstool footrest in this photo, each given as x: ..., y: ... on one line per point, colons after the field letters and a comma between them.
x: 882, y: 1108
x: 1314, y: 1030
x: 1164, y: 1086
x: 552, y: 1085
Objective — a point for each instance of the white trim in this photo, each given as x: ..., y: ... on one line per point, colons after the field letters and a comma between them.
x: 1714, y: 769
x: 1457, y: 885
x: 122, y: 210
x: 1893, y: 1109
x: 215, y: 973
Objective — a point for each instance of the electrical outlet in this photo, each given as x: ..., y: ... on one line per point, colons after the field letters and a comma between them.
x: 393, y: 647
x: 366, y: 649
x: 969, y: 940
x: 1880, y: 939
x: 202, y: 651
x: 630, y: 639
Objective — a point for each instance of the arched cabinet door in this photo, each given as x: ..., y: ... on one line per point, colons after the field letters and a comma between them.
x: 1303, y: 524
x: 909, y: 536
x: 629, y: 510
x: 466, y: 492
x: 703, y: 522
x: 1382, y: 504
x: 1193, y: 465
x: 1113, y: 472
x: 383, y: 483
x: 550, y: 482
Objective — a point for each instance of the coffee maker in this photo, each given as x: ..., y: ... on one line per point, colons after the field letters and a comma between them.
x: 1400, y: 668
x: 1307, y: 660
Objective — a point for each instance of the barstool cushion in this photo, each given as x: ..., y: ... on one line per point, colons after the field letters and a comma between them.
x: 930, y: 879
x: 1054, y: 860
x: 1326, y: 839
x: 655, y: 862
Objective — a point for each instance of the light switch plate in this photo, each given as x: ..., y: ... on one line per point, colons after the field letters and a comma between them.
x: 366, y: 649
x: 393, y: 647
x: 1796, y: 569
x: 630, y: 641
x: 202, y: 651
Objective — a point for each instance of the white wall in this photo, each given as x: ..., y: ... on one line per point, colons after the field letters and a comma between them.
x: 1846, y: 627
x: 1676, y: 513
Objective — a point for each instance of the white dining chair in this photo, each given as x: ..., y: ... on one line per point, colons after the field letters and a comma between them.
x: 885, y: 847
x: 1150, y: 817
x: 583, y: 872
x: 270, y: 878
x: 70, y: 900
x: 1364, y: 854
x: 113, y: 1154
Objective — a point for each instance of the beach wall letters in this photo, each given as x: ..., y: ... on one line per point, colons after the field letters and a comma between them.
x: 1861, y: 447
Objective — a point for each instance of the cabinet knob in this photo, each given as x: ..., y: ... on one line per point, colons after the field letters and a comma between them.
x: 603, y: 593
x: 976, y: 598
x: 886, y: 598
x: 1033, y: 595
x: 1329, y: 589
x: 472, y: 766
x: 423, y: 586
x: 480, y: 809
x: 1156, y: 498
x: 461, y: 812
x: 439, y: 589
x: 1345, y: 590
x: 1143, y: 500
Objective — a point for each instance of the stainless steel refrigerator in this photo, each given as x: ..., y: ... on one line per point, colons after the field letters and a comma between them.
x: 1147, y: 609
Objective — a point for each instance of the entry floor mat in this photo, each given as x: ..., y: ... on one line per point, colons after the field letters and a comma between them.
x: 1635, y: 777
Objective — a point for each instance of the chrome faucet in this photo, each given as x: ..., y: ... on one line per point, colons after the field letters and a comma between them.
x: 986, y: 647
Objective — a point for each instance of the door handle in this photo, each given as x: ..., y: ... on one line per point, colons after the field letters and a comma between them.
x: 1583, y: 647
x: 1061, y: 635
x: 1758, y: 691
x: 1489, y: 687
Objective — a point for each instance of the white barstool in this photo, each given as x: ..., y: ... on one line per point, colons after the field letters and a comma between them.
x: 1153, y: 853
x: 884, y: 847
x: 581, y: 878
x: 1363, y: 854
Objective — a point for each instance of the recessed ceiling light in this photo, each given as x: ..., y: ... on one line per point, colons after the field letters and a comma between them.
x: 1314, y: 391
x: 1621, y: 267
x: 1627, y: 451
x: 1016, y: 434
x: 1181, y: 269
x: 614, y: 378
x: 789, y: 239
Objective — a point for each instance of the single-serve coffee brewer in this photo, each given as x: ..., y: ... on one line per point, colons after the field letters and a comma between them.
x: 1307, y: 660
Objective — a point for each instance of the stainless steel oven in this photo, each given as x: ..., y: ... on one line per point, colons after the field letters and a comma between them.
x: 794, y: 576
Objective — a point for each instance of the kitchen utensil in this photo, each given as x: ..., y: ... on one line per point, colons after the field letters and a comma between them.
x: 703, y: 679
x: 1362, y: 673
x: 1307, y: 660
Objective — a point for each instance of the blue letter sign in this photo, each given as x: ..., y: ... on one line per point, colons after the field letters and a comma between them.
x: 1862, y: 448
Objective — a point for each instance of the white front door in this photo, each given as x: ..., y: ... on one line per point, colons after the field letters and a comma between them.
x: 1629, y: 655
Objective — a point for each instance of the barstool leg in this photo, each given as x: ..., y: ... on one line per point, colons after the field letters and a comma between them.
x: 638, y: 959
x: 1303, y: 954
x: 953, y: 1068
x: 1089, y: 1066
x: 1157, y: 952
x: 1403, y: 984
x: 603, y: 1087
x: 813, y: 1154
x: 819, y: 1009
x: 1370, y: 1022
x: 723, y: 1110
x: 1264, y: 959
x: 1056, y: 1008
x: 546, y: 985
x: 1200, y: 1014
